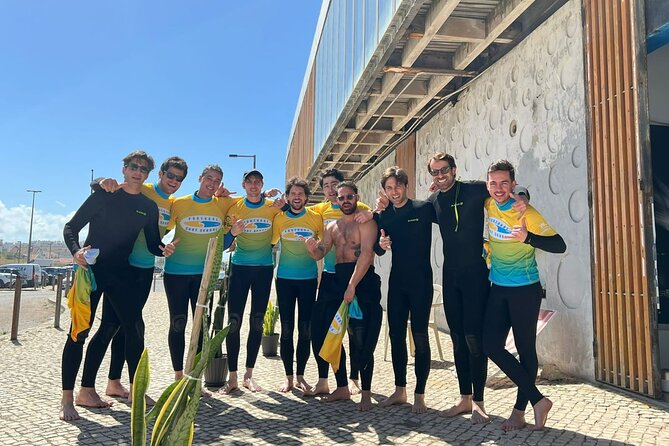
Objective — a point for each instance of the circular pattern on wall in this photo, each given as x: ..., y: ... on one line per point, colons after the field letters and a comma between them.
x: 514, y: 73
x: 572, y: 112
x: 539, y: 76
x: 466, y: 139
x: 571, y: 281
x: 489, y: 90
x: 489, y: 147
x: 479, y: 106
x: 526, y: 138
x: 551, y: 45
x: 577, y: 157
x: 578, y: 206
x: 494, y: 117
x: 568, y: 74
x: 552, y: 139
x: 506, y: 100
x: 527, y: 97
x: 478, y: 148
x: 549, y: 100
x: 555, y: 180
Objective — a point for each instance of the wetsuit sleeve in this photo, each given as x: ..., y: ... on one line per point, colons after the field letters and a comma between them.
x: 152, y: 232
x: 81, y: 218
x: 95, y: 184
x: 549, y: 243
x: 378, y: 250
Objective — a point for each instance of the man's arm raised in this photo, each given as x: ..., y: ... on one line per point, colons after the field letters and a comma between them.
x: 318, y: 248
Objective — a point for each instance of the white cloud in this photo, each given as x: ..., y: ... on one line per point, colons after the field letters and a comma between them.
x: 15, y: 224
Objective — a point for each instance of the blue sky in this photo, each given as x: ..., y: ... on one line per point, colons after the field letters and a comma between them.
x: 84, y: 83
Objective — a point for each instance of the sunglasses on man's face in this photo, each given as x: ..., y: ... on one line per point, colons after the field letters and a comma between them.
x: 444, y: 170
x: 348, y: 197
x: 173, y: 176
x: 134, y: 167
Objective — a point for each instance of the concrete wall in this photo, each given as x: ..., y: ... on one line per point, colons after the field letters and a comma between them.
x: 530, y: 109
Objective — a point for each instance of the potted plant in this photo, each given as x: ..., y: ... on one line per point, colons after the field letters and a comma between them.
x: 270, y: 339
x: 216, y: 373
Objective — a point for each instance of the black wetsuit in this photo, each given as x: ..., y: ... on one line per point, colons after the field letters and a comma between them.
x: 465, y: 279
x: 363, y: 333
x: 114, y: 222
x: 410, y: 285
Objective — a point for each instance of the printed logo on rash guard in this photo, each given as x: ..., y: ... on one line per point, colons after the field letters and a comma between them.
x: 256, y: 225
x: 201, y: 224
x: 498, y: 229
x: 296, y: 233
x: 164, y: 217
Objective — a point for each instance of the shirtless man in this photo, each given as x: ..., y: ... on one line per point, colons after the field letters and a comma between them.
x: 354, y: 276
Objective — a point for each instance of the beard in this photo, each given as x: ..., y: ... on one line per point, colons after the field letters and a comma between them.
x: 348, y: 211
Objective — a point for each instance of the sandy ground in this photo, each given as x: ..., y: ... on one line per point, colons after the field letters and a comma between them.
x: 37, y: 306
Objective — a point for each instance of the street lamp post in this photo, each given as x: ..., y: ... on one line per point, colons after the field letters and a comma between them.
x: 32, y: 213
x: 235, y: 155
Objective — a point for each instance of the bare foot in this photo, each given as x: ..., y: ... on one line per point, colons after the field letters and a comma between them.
x: 541, y: 410
x: 251, y: 384
x: 399, y: 396
x: 463, y: 406
x: 302, y: 384
x: 366, y: 401
x: 340, y: 393
x: 321, y: 388
x: 479, y: 415
x: 287, y: 384
x: 67, y: 410
x: 178, y: 374
x: 229, y: 387
x: 419, y: 405
x: 206, y: 392
x: 88, y: 397
x: 354, y: 387
x: 515, y: 421
x: 115, y: 388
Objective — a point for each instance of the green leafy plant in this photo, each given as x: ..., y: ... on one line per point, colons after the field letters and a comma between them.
x: 174, y: 412
x: 269, y: 322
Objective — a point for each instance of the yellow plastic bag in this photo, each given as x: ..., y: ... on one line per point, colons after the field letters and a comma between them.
x: 79, y: 301
x: 331, y: 349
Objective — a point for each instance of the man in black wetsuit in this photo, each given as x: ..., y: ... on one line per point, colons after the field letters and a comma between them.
x: 407, y: 225
x: 115, y: 221
x: 459, y: 209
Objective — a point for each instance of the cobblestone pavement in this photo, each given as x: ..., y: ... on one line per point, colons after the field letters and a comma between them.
x: 583, y: 413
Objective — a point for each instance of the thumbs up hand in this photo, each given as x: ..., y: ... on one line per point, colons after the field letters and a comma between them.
x: 519, y: 232
x: 384, y: 241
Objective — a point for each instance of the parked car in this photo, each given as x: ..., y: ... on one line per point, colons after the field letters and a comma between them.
x: 31, y: 273
x: 7, y: 280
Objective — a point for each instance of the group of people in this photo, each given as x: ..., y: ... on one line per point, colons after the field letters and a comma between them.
x: 489, y: 286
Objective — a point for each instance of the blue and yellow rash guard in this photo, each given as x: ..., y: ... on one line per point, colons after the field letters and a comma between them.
x: 140, y: 256
x: 253, y: 247
x: 330, y: 212
x: 512, y: 262
x: 291, y: 230
x: 196, y: 220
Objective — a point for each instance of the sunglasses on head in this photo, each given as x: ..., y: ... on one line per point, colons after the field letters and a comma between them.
x: 345, y: 197
x: 173, y: 176
x: 135, y: 167
x: 444, y: 170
